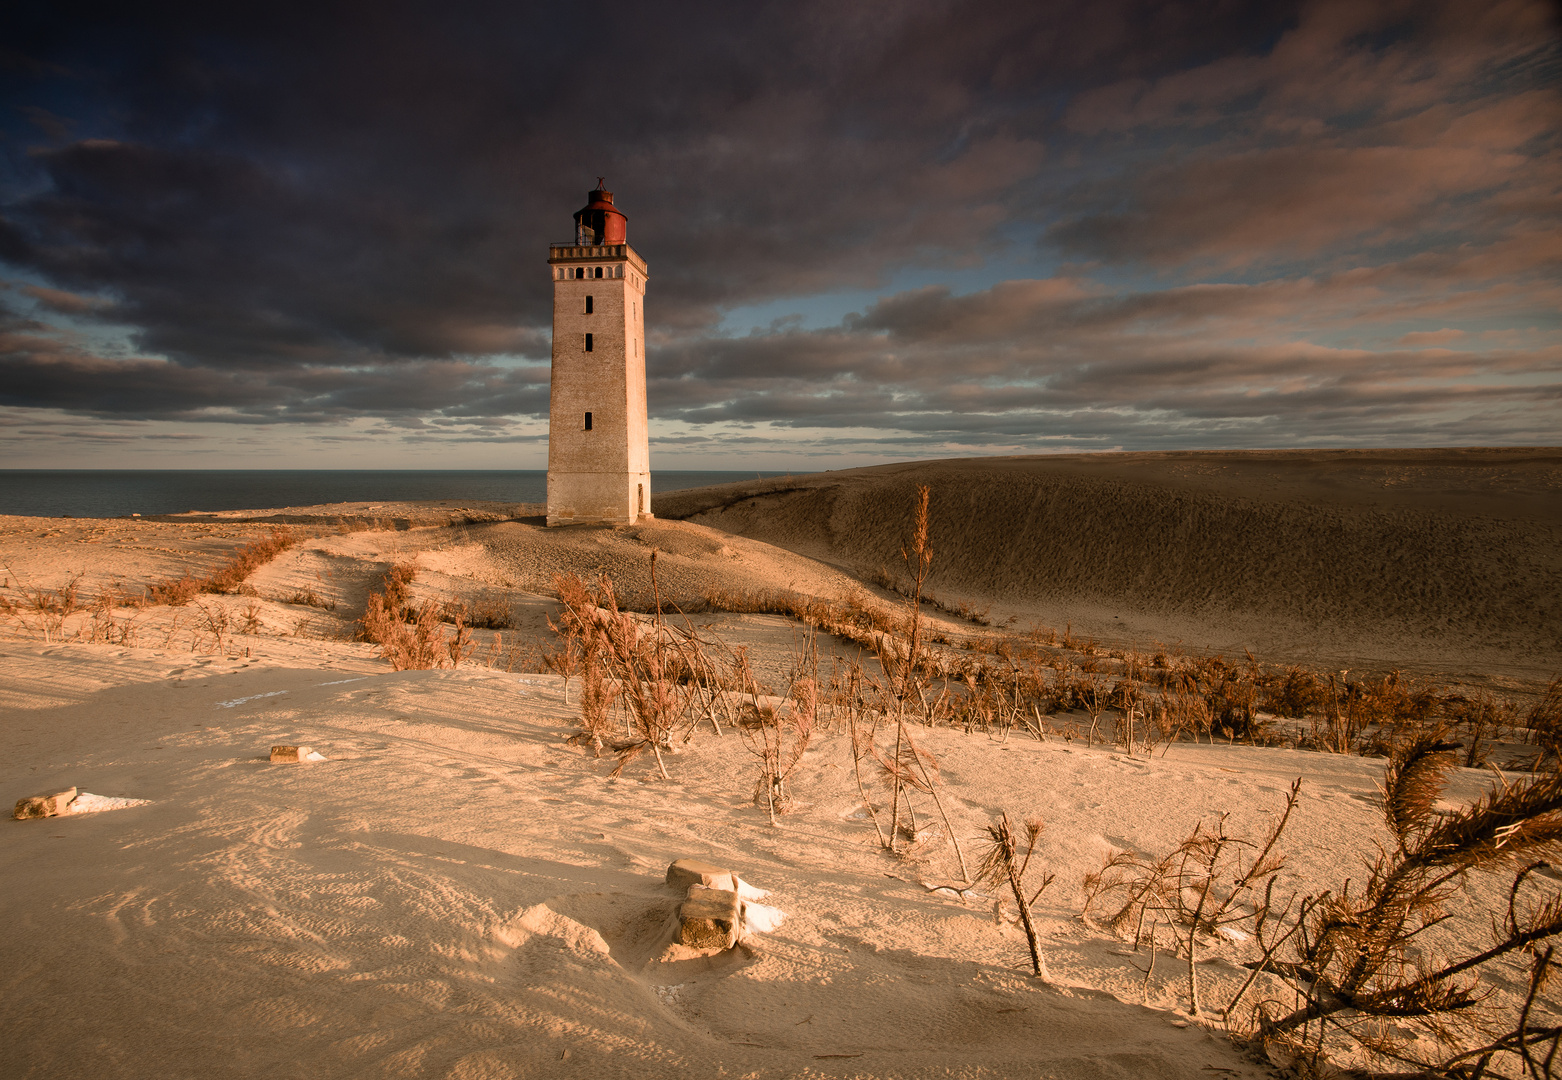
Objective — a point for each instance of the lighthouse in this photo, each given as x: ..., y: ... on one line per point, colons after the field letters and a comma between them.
x: 599, y: 457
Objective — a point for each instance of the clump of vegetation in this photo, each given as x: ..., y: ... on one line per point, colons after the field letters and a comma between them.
x: 247, y: 560
x: 1206, y: 885
x: 176, y: 592
x: 1544, y: 723
x: 646, y: 671
x: 412, y: 639
x: 230, y: 577
x: 487, y: 612
x: 1359, y: 958
x: 778, y: 737
x: 307, y: 597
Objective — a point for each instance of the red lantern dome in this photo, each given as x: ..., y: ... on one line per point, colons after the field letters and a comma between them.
x: 599, y: 221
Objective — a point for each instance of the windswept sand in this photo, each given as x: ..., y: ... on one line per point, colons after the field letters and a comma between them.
x: 459, y: 892
x: 1445, y: 561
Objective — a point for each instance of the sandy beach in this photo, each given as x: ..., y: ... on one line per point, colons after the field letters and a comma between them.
x: 461, y: 889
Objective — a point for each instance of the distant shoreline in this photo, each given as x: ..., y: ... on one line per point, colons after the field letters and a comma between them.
x: 109, y: 493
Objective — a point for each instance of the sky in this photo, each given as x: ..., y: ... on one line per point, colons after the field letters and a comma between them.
x: 315, y: 235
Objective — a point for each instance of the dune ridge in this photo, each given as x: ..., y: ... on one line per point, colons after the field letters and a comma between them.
x: 1436, y: 559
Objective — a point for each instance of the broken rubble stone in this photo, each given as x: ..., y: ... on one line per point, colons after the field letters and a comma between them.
x: 686, y: 872
x: 42, y: 806
x: 30, y: 808
x: 710, y: 918
x: 290, y: 753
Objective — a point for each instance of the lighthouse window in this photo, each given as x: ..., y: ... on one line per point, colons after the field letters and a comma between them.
x: 599, y: 271
x: 588, y: 305
x: 588, y: 342
x: 588, y: 421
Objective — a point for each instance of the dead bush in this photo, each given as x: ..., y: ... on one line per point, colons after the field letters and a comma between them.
x: 176, y: 592
x: 247, y: 560
x: 1544, y: 721
x: 411, y: 639
x: 1363, y: 973
x: 1293, y: 692
x: 307, y: 597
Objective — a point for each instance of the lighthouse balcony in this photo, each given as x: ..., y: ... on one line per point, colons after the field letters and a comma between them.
x: 571, y: 253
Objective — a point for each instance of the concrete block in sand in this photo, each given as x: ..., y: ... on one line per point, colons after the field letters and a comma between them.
x: 290, y: 753
x: 42, y: 806
x: 687, y: 872
x: 710, y: 918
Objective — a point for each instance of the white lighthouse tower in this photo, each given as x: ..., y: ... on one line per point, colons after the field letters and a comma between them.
x: 599, y: 457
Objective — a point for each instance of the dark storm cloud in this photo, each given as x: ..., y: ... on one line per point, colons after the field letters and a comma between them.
x: 318, y: 212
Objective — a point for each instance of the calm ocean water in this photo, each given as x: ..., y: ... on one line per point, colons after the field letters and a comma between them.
x: 113, y: 493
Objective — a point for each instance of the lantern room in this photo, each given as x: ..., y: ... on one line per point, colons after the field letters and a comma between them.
x: 599, y: 221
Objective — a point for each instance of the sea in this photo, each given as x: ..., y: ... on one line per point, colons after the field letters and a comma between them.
x: 104, y: 493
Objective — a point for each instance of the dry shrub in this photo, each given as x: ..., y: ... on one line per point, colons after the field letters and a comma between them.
x: 421, y: 644
x: 509, y: 654
x: 1544, y: 721
x: 634, y: 666
x: 61, y: 601
x: 251, y: 616
x: 1482, y: 715
x: 1393, y: 704
x: 105, y: 628
x: 1179, y: 714
x: 176, y: 592
x: 1360, y: 958
x: 227, y: 578
x: 489, y: 612
x: 1003, y: 863
x: 856, y: 618
x: 1203, y: 885
x: 307, y: 597
x: 214, y: 619
x: 1293, y: 691
x: 395, y: 583
x: 411, y: 639
x: 778, y: 738
x: 247, y: 560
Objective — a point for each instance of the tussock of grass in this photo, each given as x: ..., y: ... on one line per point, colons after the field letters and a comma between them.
x: 227, y: 578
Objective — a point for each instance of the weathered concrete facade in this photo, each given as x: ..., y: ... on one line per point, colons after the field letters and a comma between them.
x: 599, y: 458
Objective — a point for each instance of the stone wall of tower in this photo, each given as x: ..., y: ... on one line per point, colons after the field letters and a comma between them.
x: 601, y: 474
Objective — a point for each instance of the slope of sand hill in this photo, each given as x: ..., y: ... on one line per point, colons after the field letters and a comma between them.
x: 457, y: 892
x: 1430, y: 560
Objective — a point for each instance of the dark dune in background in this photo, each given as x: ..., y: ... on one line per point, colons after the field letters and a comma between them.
x: 1445, y: 561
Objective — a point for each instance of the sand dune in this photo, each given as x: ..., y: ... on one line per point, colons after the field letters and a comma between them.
x: 460, y: 892
x: 1434, y: 560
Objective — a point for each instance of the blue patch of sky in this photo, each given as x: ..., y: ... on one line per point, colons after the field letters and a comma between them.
x: 1015, y: 256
